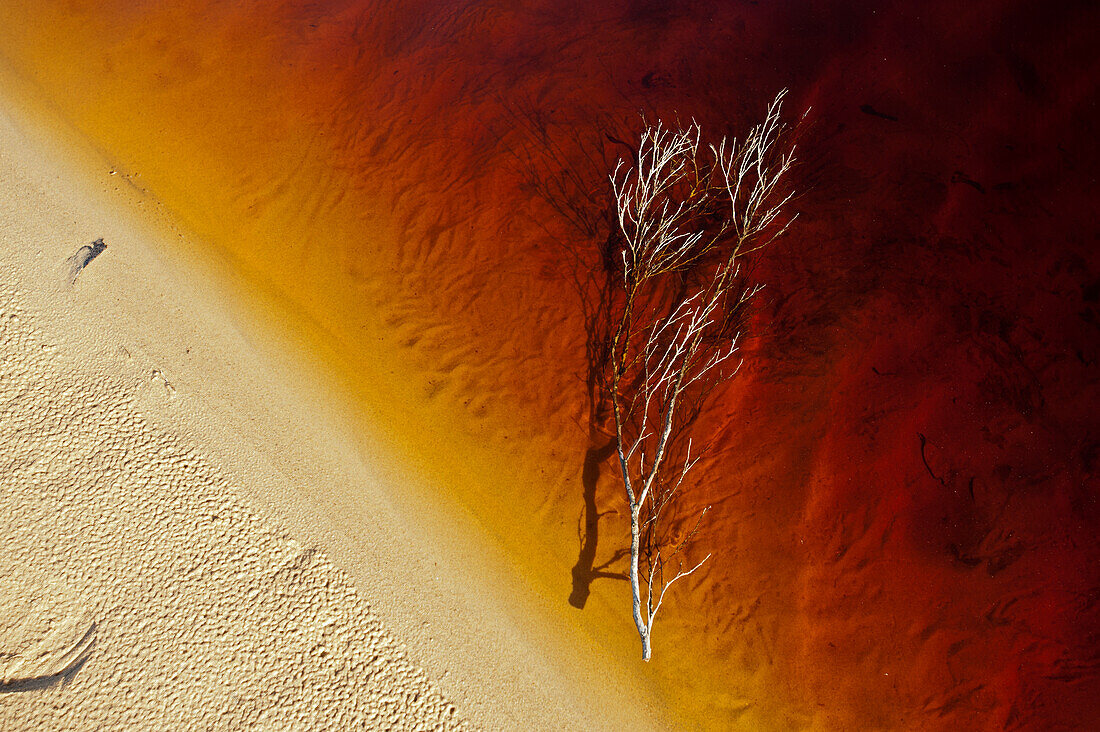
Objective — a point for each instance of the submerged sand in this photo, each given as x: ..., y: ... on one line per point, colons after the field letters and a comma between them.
x: 195, y: 535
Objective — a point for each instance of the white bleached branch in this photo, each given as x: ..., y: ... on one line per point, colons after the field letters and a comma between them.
x: 685, y: 214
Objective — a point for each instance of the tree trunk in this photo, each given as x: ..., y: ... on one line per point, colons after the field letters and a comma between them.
x: 635, y: 583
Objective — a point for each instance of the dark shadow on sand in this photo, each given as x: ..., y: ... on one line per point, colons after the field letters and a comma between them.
x: 585, y: 571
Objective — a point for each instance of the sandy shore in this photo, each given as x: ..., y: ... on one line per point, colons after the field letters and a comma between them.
x: 197, y: 535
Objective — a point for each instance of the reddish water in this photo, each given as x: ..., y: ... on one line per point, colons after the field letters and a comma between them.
x: 904, y: 481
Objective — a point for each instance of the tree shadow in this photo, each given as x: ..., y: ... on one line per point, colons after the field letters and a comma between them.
x: 586, y: 571
x: 569, y: 172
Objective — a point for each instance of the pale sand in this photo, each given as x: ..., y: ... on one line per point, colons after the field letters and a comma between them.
x: 196, y: 535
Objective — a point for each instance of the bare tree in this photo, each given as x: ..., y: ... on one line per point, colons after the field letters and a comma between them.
x: 686, y: 215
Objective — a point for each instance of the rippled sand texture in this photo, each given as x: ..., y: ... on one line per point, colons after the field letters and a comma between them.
x: 163, y: 602
x: 904, y: 488
x: 137, y: 589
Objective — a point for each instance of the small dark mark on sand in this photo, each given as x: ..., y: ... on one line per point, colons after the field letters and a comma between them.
x: 83, y: 257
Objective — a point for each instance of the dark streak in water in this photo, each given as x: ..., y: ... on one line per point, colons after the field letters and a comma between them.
x: 960, y: 177
x: 868, y: 109
x: 924, y: 459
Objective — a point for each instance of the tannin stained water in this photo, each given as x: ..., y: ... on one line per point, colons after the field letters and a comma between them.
x: 903, y: 491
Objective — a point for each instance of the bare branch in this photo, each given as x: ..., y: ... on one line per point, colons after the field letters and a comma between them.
x: 679, y: 575
x: 685, y: 214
